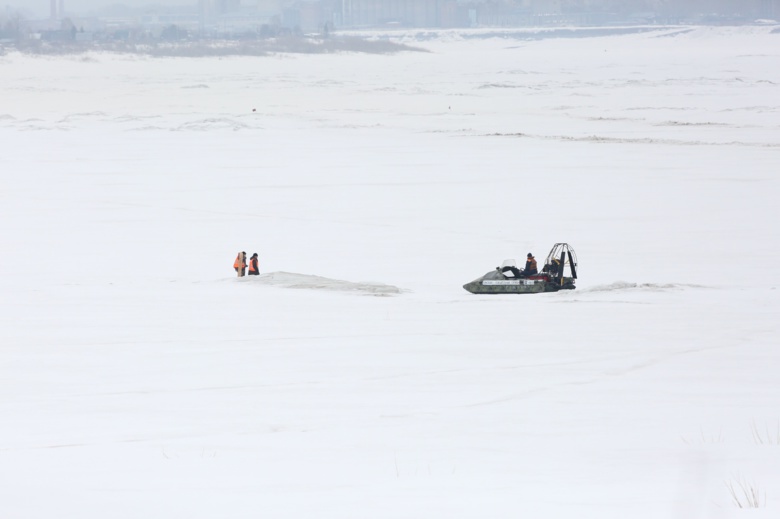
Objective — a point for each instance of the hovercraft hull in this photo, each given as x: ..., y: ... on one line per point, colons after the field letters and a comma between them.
x: 533, y: 285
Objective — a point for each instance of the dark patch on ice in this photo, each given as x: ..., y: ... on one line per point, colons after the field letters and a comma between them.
x: 500, y: 85
x: 311, y: 282
x: 327, y: 82
x: 611, y: 119
x: 146, y: 128
x: 570, y: 107
x: 133, y: 118
x: 653, y: 108
x: 519, y: 71
x: 683, y: 123
x: 633, y: 140
x: 83, y: 115
x: 38, y: 128
x: 673, y: 34
x: 611, y: 301
x: 759, y: 109
x: 214, y: 123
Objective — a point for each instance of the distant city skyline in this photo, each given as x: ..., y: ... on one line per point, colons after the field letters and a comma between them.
x: 42, y: 8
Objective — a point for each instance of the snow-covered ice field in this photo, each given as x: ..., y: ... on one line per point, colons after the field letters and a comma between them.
x: 356, y: 378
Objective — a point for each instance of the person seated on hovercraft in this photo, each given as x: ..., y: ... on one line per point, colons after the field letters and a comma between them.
x: 530, y: 268
x: 552, y: 268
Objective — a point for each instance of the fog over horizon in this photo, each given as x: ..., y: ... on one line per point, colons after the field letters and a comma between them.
x: 41, y: 8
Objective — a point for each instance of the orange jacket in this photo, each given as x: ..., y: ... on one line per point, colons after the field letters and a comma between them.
x: 253, y: 265
x: 238, y: 263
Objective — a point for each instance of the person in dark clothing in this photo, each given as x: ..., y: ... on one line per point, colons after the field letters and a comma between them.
x: 254, y: 270
x: 530, y: 266
x: 553, y: 267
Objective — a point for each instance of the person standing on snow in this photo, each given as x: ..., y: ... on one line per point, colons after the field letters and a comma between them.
x: 530, y: 266
x: 254, y: 270
x: 240, y: 264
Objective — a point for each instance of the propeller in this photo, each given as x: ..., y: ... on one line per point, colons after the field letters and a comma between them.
x: 573, y: 266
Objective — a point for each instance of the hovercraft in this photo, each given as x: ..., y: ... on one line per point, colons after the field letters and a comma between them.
x: 558, y: 273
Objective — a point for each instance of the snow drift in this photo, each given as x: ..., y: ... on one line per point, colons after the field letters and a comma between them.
x: 311, y: 282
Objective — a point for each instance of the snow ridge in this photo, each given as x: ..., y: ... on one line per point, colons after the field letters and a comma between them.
x: 653, y: 287
x: 311, y: 282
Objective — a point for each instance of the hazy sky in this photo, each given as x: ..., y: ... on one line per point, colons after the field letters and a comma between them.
x: 41, y: 7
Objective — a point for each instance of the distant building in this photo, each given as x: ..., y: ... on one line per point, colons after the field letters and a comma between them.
x: 209, y: 11
x: 311, y: 15
x: 769, y: 9
x: 186, y: 19
x: 409, y: 13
